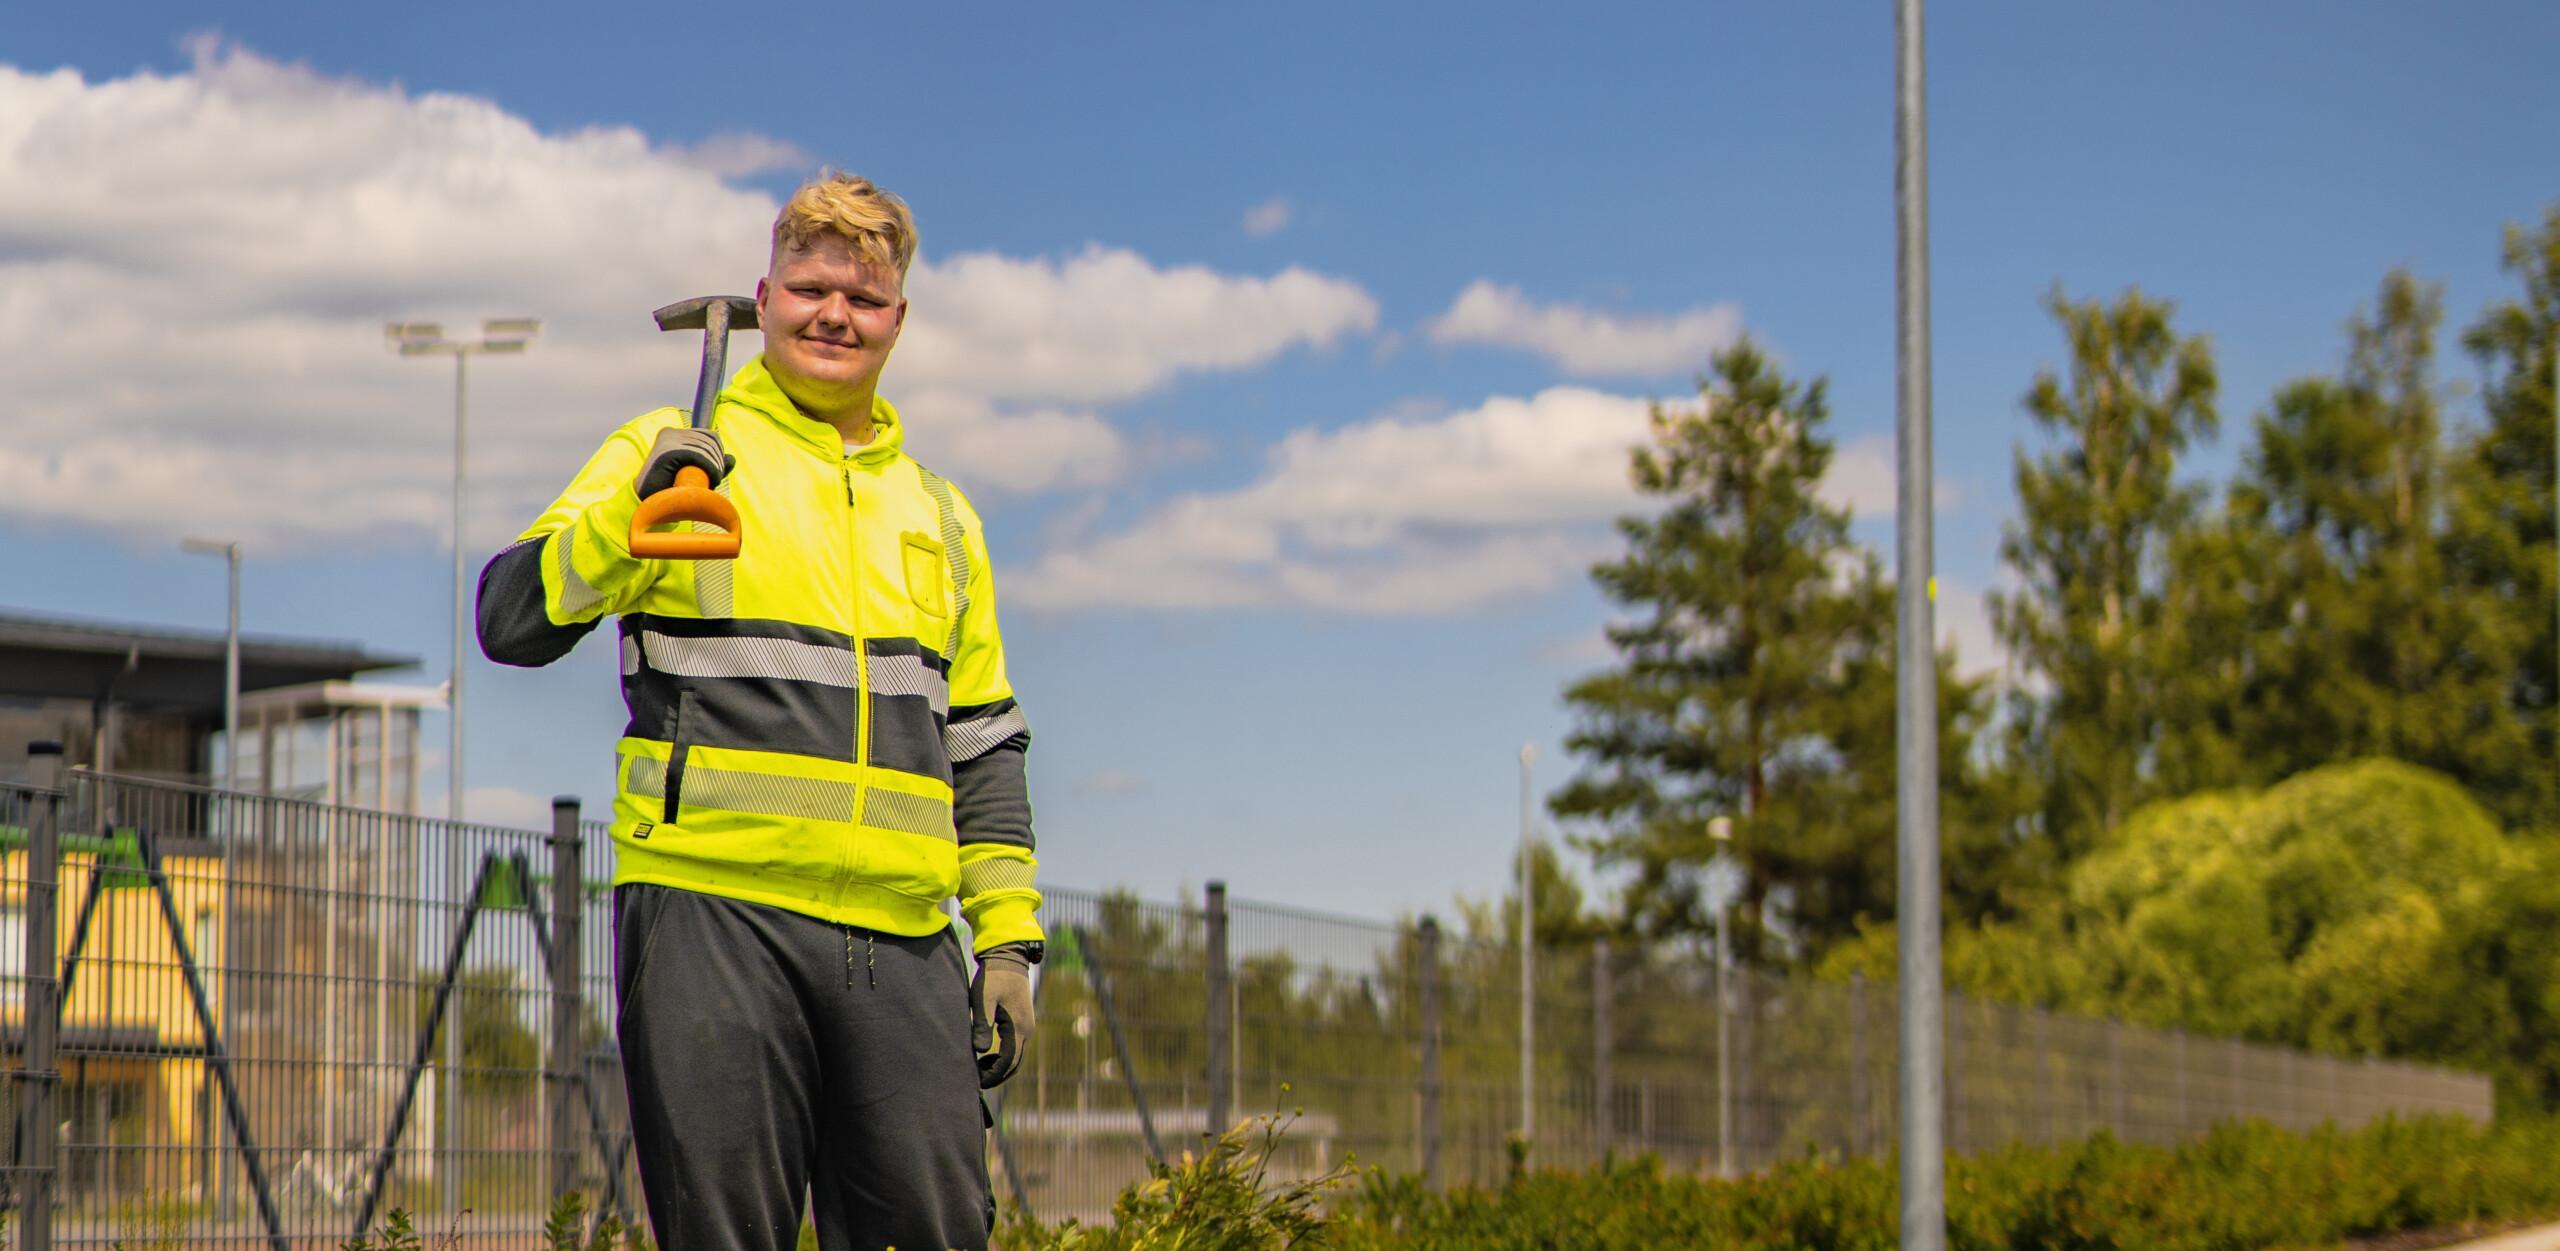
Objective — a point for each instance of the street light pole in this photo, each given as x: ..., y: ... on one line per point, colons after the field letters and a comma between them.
x: 230, y: 552
x: 1915, y: 663
x: 501, y: 336
x: 461, y: 621
x: 1528, y: 941
x: 498, y: 335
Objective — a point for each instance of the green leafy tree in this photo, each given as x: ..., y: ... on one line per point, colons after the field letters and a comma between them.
x: 2353, y: 643
x: 501, y: 1055
x: 2499, y: 534
x: 2364, y: 908
x: 1754, y: 680
x: 2098, y: 513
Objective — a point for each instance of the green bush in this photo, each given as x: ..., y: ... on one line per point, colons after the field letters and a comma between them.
x: 2245, y: 1185
x: 564, y: 1228
x: 2242, y: 1186
x: 1223, y: 1199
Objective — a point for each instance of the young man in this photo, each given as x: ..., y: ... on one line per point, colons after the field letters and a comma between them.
x: 823, y: 749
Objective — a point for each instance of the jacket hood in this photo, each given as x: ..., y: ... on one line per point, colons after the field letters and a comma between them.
x: 753, y: 387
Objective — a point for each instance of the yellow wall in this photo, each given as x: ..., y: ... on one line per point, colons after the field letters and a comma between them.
x: 129, y: 975
x: 129, y: 978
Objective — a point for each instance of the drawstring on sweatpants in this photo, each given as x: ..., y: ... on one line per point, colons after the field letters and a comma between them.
x: 870, y: 959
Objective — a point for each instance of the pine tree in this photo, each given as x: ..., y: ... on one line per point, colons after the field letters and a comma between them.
x: 2099, y: 514
x: 2499, y: 535
x: 2362, y: 647
x: 1755, y: 683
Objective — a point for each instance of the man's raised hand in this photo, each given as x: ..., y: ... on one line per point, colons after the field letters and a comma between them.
x: 681, y: 447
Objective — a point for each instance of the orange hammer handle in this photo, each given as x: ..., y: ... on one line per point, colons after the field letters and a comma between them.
x: 690, y: 499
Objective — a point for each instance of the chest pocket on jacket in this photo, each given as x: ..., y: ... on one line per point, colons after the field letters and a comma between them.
x: 928, y: 572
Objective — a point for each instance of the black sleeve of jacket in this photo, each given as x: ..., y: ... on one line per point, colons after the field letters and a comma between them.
x: 515, y: 626
x: 991, y: 797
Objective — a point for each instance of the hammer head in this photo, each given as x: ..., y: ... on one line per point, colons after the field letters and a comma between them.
x: 695, y: 314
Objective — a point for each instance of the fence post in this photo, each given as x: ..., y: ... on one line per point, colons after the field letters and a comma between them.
x: 1221, y: 1043
x: 1428, y: 954
x: 1724, y: 1065
x: 1859, y: 1110
x: 43, y: 996
x: 1603, y: 1081
x: 2115, y: 1072
x: 1952, y: 1053
x: 1745, y: 1052
x: 2240, y: 1107
x: 2287, y: 1091
x: 2186, y: 1114
x: 2046, y: 1099
x: 568, y: 974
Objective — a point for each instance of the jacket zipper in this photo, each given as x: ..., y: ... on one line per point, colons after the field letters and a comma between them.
x: 861, y: 681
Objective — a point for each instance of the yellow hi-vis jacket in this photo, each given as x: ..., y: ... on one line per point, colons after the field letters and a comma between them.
x: 822, y: 724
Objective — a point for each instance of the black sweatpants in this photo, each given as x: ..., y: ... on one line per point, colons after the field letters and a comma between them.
x: 770, y: 1054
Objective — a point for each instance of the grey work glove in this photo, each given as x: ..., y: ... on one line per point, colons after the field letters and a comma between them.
x: 679, y: 447
x: 1000, y: 1012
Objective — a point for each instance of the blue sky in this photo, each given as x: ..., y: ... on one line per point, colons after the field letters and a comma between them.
x: 1283, y: 347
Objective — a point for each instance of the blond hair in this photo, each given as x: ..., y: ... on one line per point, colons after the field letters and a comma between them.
x: 874, y: 222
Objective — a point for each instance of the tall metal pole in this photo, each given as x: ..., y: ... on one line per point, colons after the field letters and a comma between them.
x: 451, y: 1087
x: 1924, y: 1181
x: 508, y: 335
x: 1528, y: 944
x: 230, y: 553
x: 461, y: 623
x: 231, y: 678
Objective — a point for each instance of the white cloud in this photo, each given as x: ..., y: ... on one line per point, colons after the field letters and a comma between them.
x: 1018, y: 452
x: 1963, y: 614
x: 194, y: 270
x: 733, y: 154
x: 1414, y: 511
x: 1865, y: 479
x: 1397, y: 515
x: 1268, y: 218
x: 1106, y: 324
x: 1586, y: 342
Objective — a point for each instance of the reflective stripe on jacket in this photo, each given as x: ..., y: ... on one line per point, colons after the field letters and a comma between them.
x: 822, y: 724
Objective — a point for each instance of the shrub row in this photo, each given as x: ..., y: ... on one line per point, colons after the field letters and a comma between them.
x: 2243, y: 1186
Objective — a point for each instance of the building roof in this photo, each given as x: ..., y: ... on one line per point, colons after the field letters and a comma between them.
x: 165, y: 670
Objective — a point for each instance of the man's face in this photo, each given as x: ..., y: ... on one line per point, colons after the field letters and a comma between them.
x: 829, y: 317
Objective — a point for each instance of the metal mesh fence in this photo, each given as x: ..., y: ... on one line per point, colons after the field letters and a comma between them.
x: 278, y: 1019
x: 273, y: 1019
x: 1402, y: 1049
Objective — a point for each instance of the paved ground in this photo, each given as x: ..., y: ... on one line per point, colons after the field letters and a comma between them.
x: 2539, y: 1238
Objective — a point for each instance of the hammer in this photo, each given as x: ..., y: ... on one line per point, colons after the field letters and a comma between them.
x: 691, y: 498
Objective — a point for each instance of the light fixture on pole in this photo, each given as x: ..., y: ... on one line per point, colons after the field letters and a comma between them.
x: 500, y: 336
x: 230, y: 553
